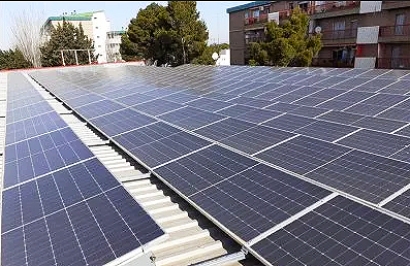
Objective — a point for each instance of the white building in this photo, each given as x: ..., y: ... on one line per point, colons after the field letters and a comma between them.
x: 95, y: 25
x: 224, y: 58
x: 113, y: 46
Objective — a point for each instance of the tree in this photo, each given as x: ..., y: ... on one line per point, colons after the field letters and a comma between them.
x: 148, y: 34
x: 13, y: 60
x: 190, y: 31
x: 289, y: 44
x: 66, y: 36
x: 26, y: 29
x: 129, y: 50
x: 172, y: 34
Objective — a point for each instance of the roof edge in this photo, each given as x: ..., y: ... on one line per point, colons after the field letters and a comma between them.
x: 248, y: 5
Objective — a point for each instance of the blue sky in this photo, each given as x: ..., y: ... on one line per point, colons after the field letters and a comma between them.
x: 119, y: 13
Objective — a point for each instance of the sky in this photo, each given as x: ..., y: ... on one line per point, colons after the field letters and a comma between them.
x: 119, y: 13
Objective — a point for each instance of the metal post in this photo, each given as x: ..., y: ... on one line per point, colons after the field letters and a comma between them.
x: 89, y: 56
x: 62, y: 56
x: 76, y: 57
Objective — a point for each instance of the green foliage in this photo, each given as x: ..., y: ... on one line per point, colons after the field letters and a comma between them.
x: 206, y: 57
x: 13, y: 60
x: 129, y: 50
x: 288, y: 44
x: 172, y: 34
x: 66, y: 36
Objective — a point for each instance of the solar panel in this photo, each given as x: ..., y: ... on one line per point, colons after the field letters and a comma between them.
x: 259, y: 112
x: 33, y: 126
x: 326, y: 130
x: 121, y: 121
x: 339, y: 232
x: 340, y: 117
x: 289, y: 122
x: 37, y: 156
x: 379, y: 124
x: 224, y: 129
x: 261, y: 185
x: 366, y: 176
x: 99, y: 108
x: 157, y: 107
x: 303, y: 154
x: 375, y: 142
x: 256, y: 139
x: 61, y: 211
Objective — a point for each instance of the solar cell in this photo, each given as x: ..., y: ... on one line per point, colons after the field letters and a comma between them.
x: 84, y: 99
x: 258, y: 116
x: 236, y: 110
x: 339, y: 232
x: 134, y: 99
x: 404, y: 132
x: 308, y: 111
x: 282, y: 107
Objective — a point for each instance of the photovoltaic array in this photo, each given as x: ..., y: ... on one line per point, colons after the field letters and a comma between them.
x: 303, y: 166
x: 60, y: 205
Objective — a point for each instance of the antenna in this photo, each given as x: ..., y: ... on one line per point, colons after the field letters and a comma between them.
x: 217, y: 25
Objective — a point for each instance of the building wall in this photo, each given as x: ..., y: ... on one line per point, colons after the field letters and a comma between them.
x: 237, y: 37
x: 224, y: 58
x: 100, y: 29
x: 113, y: 47
x: 358, y: 17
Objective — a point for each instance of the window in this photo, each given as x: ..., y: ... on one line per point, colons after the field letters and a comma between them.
x: 95, y: 17
x: 338, y: 29
x: 99, y: 46
x: 399, y: 28
x: 98, y: 37
x: 290, y: 5
x: 96, y: 27
x: 395, y: 57
x: 353, y: 28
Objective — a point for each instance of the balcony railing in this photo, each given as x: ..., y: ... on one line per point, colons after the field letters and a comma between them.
x: 395, y: 63
x: 397, y: 30
x: 339, y: 34
x: 262, y: 18
x: 331, y: 6
x: 395, y: 4
x: 332, y: 62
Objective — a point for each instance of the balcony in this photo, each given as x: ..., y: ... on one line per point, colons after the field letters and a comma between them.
x: 394, y: 63
x: 395, y: 34
x: 336, y: 9
x: 394, y: 4
x: 339, y: 37
x: 255, y: 22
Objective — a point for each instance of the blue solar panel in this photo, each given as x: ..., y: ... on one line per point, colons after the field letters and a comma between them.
x: 95, y: 109
x: 121, y: 121
x: 62, y: 218
x: 33, y: 126
x: 340, y: 232
x: 37, y: 156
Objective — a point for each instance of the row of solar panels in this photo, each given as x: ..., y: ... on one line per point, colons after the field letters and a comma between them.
x: 175, y: 122
x: 60, y: 205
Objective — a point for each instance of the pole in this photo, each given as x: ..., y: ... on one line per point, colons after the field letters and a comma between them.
x: 89, y: 56
x: 76, y: 57
x: 62, y: 56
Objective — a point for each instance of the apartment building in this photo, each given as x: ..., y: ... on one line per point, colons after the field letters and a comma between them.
x: 369, y: 34
x: 113, y: 45
x: 96, y: 27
